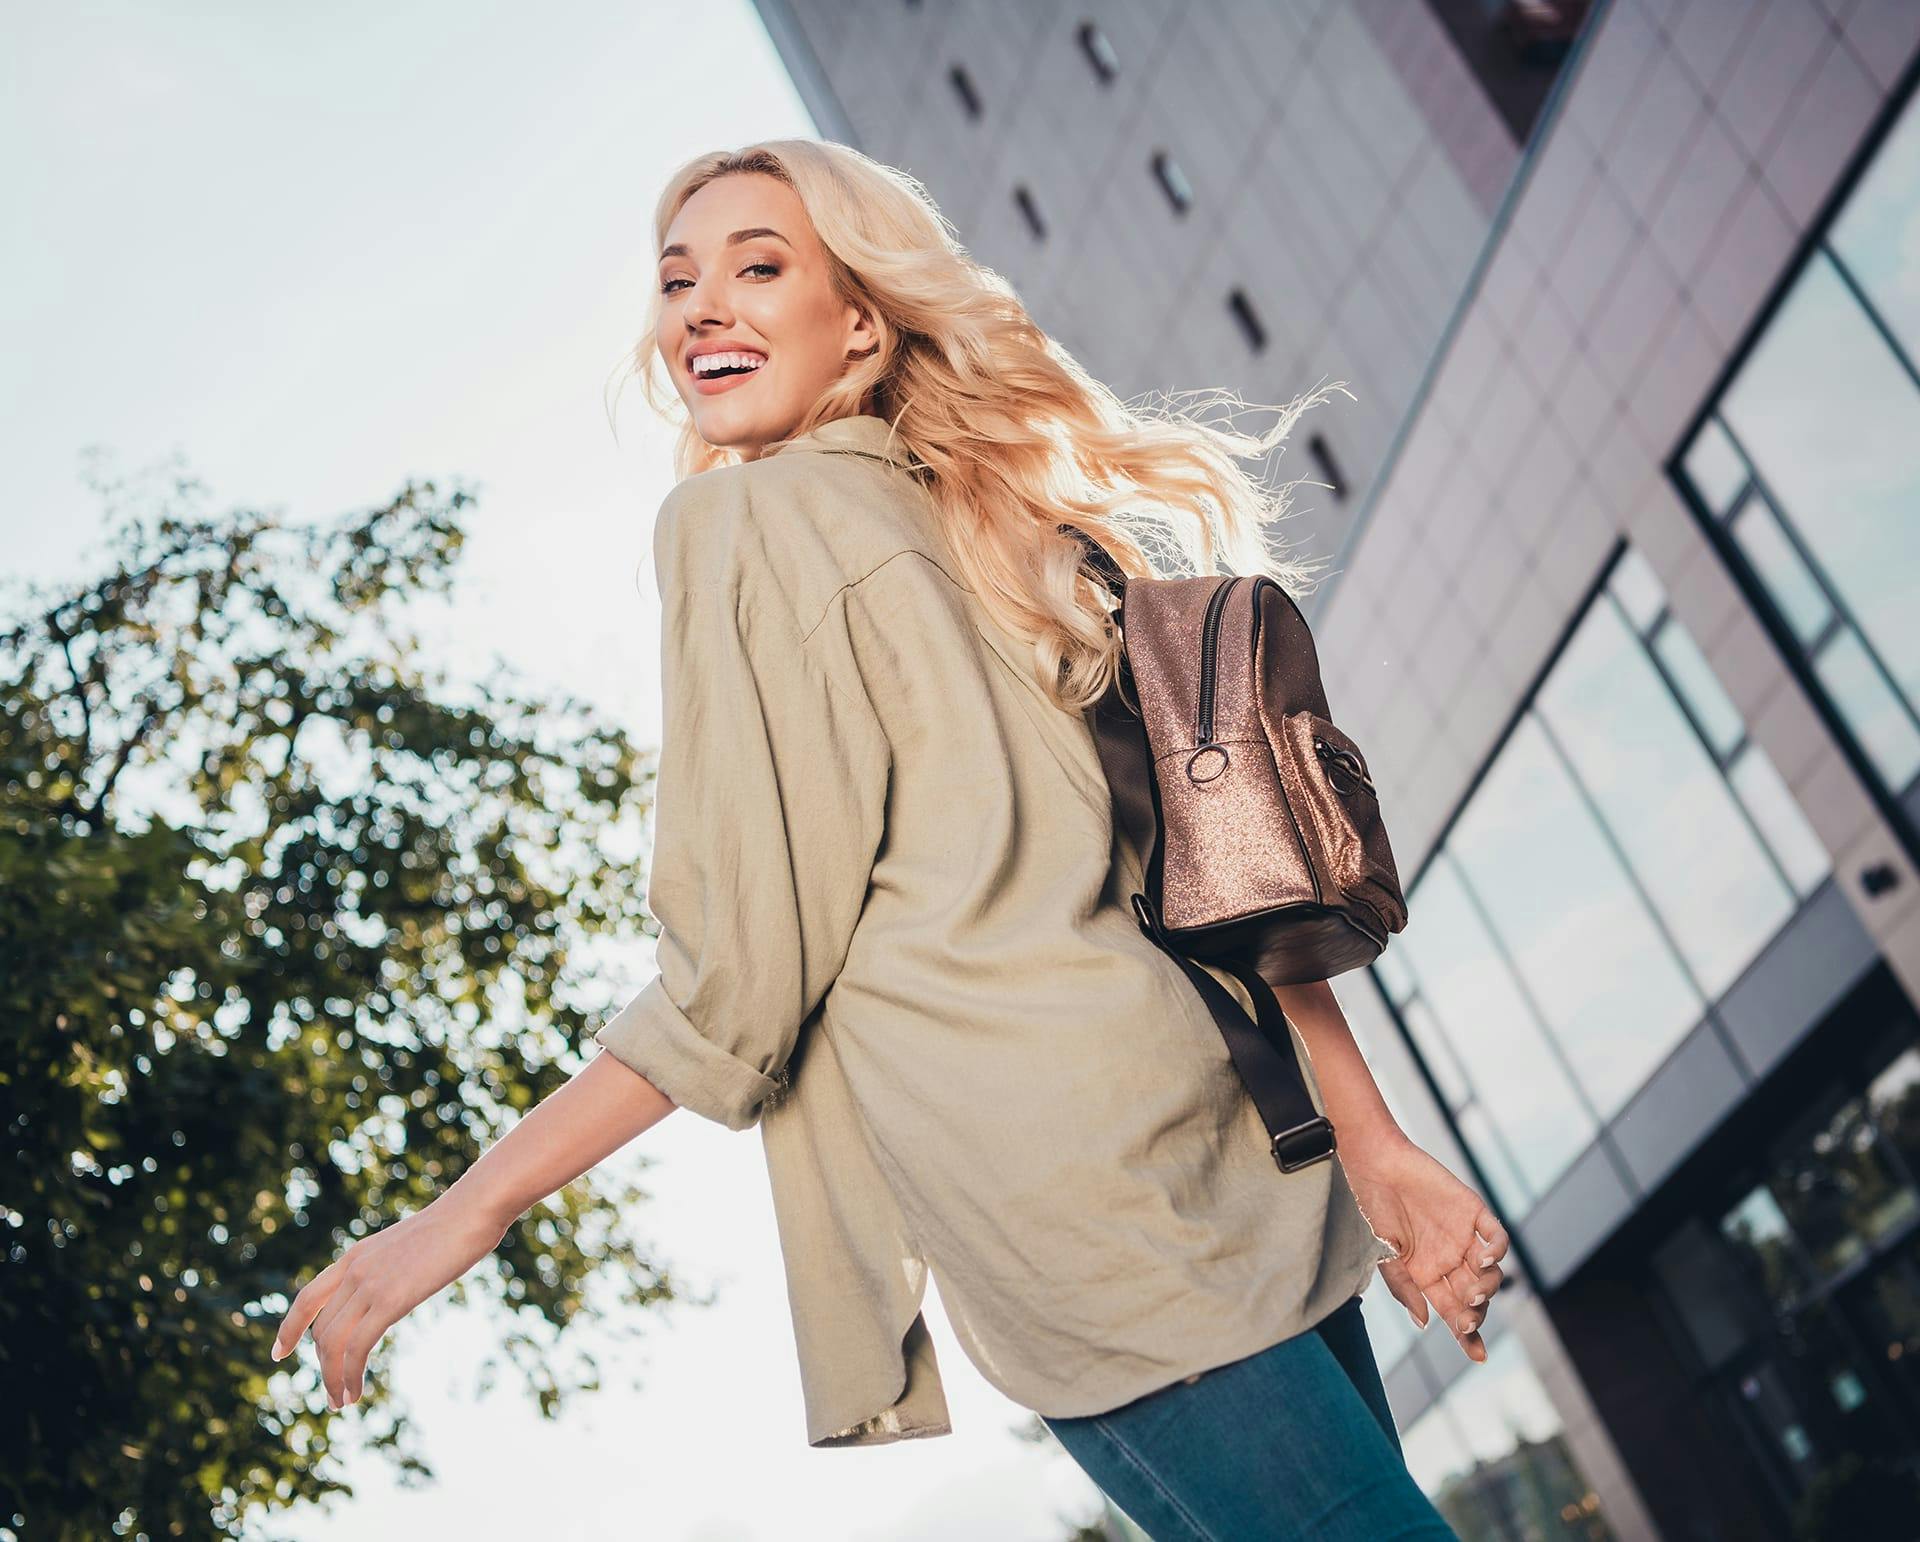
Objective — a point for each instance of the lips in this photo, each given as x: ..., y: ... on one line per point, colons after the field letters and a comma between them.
x: 705, y: 349
x: 709, y: 385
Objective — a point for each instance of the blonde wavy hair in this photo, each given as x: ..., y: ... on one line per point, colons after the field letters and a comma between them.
x: 1014, y: 436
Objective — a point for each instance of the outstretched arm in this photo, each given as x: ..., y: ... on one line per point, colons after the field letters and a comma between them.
x: 1447, y: 1241
x: 379, y: 1279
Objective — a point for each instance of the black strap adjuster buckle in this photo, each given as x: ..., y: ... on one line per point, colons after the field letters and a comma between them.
x: 1304, y: 1144
x: 1149, y: 923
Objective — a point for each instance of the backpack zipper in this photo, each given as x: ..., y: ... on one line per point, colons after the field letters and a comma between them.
x: 1209, y: 646
x: 1210, y: 625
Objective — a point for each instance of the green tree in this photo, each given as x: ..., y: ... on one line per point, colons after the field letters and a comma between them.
x: 292, y: 926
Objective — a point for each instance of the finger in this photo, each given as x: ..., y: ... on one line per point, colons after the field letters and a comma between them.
x: 1487, y: 1224
x: 345, y: 1301
x: 314, y: 1295
x: 1475, y: 1287
x: 1461, y: 1320
x: 333, y: 1356
x: 1400, y: 1284
x: 367, y: 1333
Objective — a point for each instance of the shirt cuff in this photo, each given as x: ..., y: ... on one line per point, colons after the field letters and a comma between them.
x: 654, y: 1037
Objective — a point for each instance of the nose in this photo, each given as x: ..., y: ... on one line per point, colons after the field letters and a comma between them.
x: 702, y: 307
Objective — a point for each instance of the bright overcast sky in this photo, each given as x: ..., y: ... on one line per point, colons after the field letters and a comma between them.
x: 310, y: 251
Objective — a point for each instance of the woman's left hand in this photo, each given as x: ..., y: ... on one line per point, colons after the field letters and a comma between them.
x: 1447, y: 1243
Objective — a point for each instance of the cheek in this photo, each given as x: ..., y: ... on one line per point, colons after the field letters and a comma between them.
x: 803, y: 335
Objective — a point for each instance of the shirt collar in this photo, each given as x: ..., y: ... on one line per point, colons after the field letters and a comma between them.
x: 860, y: 434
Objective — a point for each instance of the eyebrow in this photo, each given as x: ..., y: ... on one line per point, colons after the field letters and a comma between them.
x: 678, y: 249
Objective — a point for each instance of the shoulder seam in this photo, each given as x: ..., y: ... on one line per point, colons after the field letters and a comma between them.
x: 885, y: 562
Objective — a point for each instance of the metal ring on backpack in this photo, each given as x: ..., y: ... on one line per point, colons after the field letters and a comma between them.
x: 1218, y: 749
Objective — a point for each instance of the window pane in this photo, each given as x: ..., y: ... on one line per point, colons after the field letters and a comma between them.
x: 1637, y: 588
x: 1520, y: 1084
x: 1756, y: 528
x: 1832, y: 421
x: 1670, y: 810
x: 1716, y: 468
x: 1700, y: 687
x: 1511, y: 1191
x: 1878, y: 234
x: 1761, y: 1239
x: 1894, y: 1101
x: 1437, y: 1052
x: 1591, y: 956
x: 1389, y: 1330
x: 1437, y: 1456
x: 1839, y: 1192
x: 1875, y: 714
x: 1774, y: 809
x: 1391, y: 970
x: 1523, y: 1473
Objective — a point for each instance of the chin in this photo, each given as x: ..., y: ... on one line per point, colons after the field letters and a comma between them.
x: 741, y: 431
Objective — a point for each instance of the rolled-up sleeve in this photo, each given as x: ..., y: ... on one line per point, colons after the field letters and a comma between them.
x: 768, y: 812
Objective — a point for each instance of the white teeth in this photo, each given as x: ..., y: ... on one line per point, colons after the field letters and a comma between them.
x: 707, y: 363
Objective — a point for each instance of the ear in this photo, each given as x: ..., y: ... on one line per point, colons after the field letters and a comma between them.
x: 862, y: 335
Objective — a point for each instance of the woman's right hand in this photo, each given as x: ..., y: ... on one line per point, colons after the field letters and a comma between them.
x: 378, y: 1280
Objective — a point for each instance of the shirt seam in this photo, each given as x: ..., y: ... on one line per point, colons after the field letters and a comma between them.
x: 885, y: 562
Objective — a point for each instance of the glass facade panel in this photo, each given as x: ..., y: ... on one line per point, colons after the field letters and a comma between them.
x: 1840, y: 461
x: 1438, y: 1053
x: 1825, y: 415
x: 1660, y: 792
x: 1877, y: 236
x: 1717, y: 469
x: 1389, y: 1330
x: 1622, y: 860
x: 1699, y: 688
x: 1768, y: 801
x: 1492, y: 1454
x: 1391, y: 971
x: 1511, y: 1193
x: 1475, y: 997
x: 1782, y: 570
x: 1893, y: 1101
x: 1806, y: 1322
x: 1879, y: 719
x: 1556, y: 890
x: 1639, y: 592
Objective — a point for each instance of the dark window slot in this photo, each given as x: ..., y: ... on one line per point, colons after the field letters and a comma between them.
x: 1249, y: 320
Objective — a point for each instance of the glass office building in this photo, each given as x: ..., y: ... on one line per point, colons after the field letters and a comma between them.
x: 1623, y: 601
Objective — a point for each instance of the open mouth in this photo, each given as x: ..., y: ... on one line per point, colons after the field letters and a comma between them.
x: 726, y: 366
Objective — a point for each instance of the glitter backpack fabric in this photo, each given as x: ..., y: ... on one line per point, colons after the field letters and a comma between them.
x: 1259, y: 825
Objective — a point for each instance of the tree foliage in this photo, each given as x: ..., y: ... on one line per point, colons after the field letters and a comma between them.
x: 292, y: 926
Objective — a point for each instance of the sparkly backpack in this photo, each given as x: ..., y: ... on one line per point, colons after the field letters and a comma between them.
x: 1257, y: 819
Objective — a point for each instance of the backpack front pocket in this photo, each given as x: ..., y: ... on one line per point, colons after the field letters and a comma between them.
x: 1342, y: 813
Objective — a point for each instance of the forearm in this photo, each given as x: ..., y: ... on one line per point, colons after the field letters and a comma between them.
x: 572, y: 1130
x: 1352, y: 1097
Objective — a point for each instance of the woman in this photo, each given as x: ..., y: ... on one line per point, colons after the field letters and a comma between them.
x: 892, y: 905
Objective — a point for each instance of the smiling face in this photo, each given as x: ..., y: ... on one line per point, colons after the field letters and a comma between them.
x: 745, y: 288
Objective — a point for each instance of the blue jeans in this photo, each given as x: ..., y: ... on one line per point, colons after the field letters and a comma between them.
x: 1295, y: 1441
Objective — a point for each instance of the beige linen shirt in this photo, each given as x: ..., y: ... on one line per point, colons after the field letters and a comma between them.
x: 894, y: 933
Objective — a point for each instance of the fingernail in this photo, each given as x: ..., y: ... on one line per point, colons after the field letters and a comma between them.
x: 1487, y: 1262
x: 1476, y: 1298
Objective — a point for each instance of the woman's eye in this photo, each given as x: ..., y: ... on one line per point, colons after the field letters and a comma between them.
x: 772, y: 270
